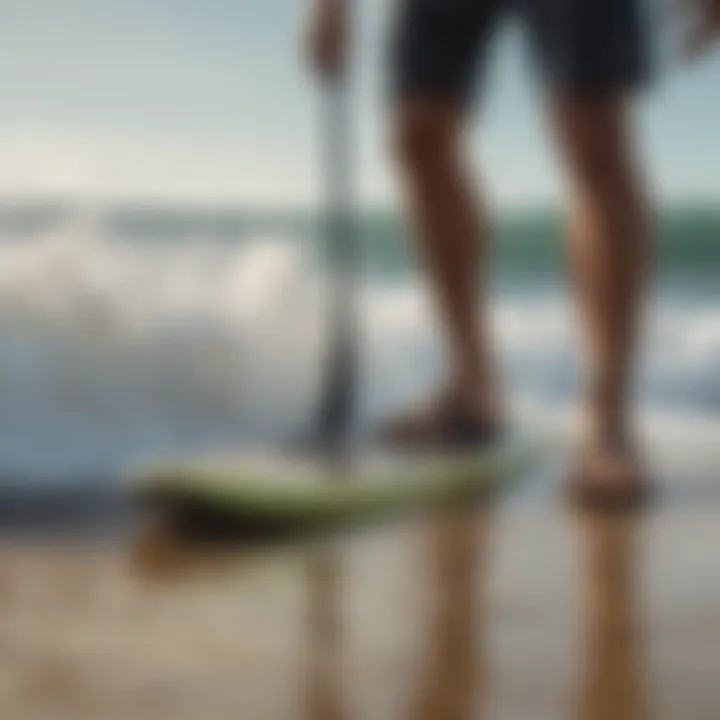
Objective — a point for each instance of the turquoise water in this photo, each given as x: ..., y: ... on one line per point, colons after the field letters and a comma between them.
x: 529, y: 248
x: 529, y: 245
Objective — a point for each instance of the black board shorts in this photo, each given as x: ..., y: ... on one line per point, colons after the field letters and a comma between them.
x: 586, y: 47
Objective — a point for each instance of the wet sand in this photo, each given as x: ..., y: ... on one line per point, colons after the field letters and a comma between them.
x: 516, y: 610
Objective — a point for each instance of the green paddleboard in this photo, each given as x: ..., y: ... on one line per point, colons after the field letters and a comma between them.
x: 297, y: 491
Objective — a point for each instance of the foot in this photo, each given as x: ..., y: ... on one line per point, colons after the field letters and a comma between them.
x: 607, y: 474
x: 448, y: 421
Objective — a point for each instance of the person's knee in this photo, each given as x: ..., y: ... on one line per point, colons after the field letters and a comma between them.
x: 598, y: 146
x: 424, y: 137
x: 602, y: 168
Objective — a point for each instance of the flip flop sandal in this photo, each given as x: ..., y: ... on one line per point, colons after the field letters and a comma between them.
x: 437, y: 425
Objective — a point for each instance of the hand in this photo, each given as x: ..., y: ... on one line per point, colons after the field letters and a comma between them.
x: 704, y: 25
x: 327, y: 39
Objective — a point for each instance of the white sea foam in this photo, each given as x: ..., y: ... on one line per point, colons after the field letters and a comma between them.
x: 111, y: 352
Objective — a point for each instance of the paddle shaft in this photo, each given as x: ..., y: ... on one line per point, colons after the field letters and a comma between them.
x: 339, y: 390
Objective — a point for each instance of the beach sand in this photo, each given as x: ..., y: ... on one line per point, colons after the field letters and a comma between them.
x: 519, y: 610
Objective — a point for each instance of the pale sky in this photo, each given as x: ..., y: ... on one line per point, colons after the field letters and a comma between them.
x: 207, y: 99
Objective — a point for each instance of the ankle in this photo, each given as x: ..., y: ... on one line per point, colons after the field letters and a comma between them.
x: 611, y: 431
x: 476, y: 396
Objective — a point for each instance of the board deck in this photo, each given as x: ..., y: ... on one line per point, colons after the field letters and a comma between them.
x: 300, y: 491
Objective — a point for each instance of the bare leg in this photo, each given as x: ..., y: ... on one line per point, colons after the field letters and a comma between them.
x: 609, y: 257
x: 451, y: 231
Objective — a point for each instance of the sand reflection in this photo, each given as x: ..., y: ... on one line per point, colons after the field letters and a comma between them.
x: 450, y: 684
x: 455, y: 672
x: 612, y: 680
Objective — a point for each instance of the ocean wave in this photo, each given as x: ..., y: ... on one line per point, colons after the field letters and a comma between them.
x: 116, y: 352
